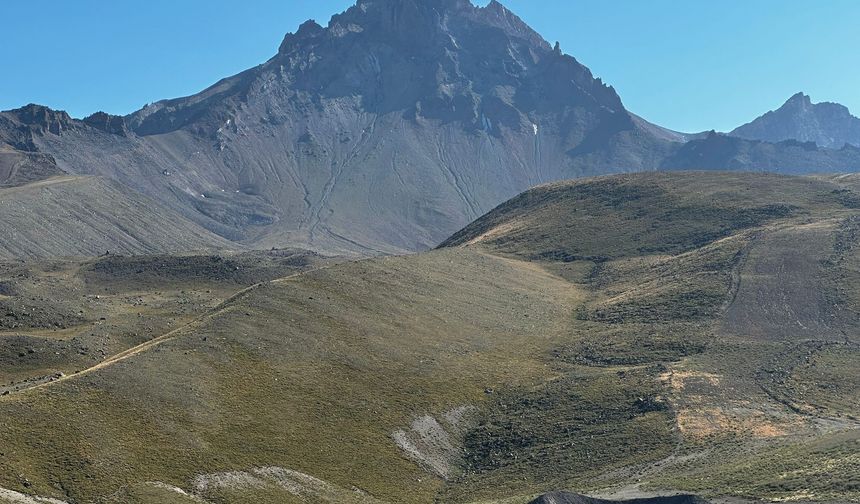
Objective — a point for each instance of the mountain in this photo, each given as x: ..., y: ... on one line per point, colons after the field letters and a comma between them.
x: 387, y: 130
x: 395, y: 125
x: 688, y: 333
x: 46, y: 212
x: 828, y: 125
x: 361, y: 135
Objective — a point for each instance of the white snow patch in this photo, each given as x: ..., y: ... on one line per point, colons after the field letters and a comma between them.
x: 488, y: 125
x: 535, y: 127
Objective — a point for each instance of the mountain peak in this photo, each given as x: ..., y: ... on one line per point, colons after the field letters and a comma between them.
x: 108, y: 123
x: 367, y: 5
x: 41, y: 118
x: 500, y: 16
x: 829, y: 125
x: 415, y: 20
x: 307, y: 30
x: 799, y: 99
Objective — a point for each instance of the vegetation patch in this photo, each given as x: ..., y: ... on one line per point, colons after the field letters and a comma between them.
x: 816, y: 377
x: 568, y: 430
x: 147, y: 272
x: 820, y: 470
x: 633, y: 344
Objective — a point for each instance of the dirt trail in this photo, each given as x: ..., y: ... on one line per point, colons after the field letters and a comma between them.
x: 169, y: 336
x: 143, y: 347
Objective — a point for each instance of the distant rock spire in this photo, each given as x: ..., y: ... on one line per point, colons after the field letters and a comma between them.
x: 800, y: 99
x: 557, y: 48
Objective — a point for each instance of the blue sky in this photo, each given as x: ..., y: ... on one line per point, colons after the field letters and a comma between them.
x: 689, y: 65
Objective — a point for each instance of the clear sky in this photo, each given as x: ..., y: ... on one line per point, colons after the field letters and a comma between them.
x: 689, y: 65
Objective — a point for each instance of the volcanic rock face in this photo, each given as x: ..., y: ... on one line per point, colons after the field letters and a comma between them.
x: 41, y: 120
x: 399, y: 122
x: 829, y: 125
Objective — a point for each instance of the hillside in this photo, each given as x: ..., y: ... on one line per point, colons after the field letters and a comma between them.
x: 388, y: 129
x: 63, y: 216
x: 624, y: 335
x: 829, y: 125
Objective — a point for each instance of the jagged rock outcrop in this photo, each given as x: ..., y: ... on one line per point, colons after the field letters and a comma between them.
x: 108, y: 123
x: 829, y: 125
x: 41, y: 120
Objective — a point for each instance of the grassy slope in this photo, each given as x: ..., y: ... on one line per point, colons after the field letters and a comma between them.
x: 62, y: 316
x: 313, y: 374
x: 750, y: 280
x: 628, y: 330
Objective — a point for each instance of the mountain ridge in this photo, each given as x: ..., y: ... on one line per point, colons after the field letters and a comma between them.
x: 828, y: 124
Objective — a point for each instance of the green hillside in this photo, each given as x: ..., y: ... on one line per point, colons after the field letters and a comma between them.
x: 688, y: 332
